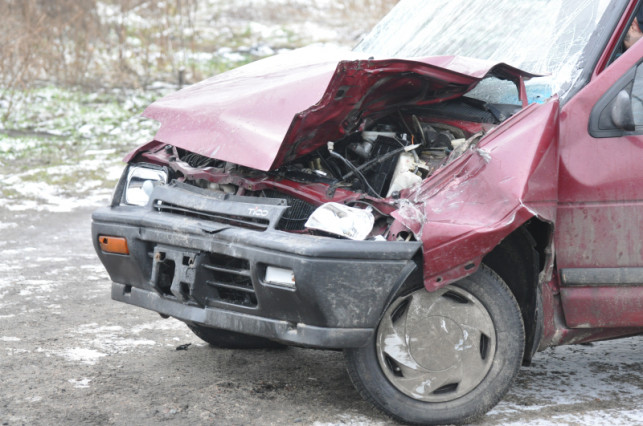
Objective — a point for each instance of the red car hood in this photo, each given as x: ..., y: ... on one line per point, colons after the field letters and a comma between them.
x: 271, y: 111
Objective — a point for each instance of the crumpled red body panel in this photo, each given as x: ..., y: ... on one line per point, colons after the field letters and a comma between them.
x: 470, y: 206
x: 272, y: 111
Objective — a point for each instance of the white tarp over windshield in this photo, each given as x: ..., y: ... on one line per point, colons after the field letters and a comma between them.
x: 538, y: 36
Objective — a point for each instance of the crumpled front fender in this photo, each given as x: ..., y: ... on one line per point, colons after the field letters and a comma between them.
x: 467, y: 208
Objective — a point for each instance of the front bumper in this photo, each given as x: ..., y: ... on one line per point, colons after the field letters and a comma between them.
x: 195, y: 268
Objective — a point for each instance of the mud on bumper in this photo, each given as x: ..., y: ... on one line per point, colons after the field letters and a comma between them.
x: 197, y: 270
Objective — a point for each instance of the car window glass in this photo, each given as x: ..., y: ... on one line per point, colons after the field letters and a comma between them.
x: 547, y: 37
x: 496, y: 91
x: 631, y: 34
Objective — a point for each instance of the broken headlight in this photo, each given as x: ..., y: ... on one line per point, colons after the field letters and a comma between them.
x: 338, y: 219
x: 140, y: 183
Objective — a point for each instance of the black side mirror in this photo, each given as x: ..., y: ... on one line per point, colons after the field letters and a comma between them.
x: 621, y: 111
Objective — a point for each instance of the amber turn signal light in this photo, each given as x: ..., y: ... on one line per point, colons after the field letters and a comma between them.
x: 116, y: 245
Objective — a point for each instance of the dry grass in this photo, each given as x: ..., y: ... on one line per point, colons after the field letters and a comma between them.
x: 132, y: 43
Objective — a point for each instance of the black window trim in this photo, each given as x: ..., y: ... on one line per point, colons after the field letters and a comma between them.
x: 605, y: 100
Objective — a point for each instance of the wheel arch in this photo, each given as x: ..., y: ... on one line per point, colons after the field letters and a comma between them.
x: 518, y: 260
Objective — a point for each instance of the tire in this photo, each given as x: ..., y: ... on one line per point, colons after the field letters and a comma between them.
x: 230, y: 340
x: 442, y: 357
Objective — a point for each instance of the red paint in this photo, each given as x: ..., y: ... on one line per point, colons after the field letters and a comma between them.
x: 557, y: 331
x: 593, y: 307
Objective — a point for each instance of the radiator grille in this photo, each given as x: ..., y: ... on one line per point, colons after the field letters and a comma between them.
x: 297, y: 214
x: 259, y: 224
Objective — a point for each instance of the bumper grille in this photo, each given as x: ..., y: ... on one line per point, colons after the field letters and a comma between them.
x: 203, y: 278
x: 230, y: 279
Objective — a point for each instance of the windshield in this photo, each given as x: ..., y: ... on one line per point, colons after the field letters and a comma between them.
x: 539, y: 36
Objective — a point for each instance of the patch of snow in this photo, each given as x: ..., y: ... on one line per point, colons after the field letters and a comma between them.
x: 84, y: 355
x: 351, y: 420
x: 94, y: 328
x: 80, y: 384
x: 163, y: 324
x: 602, y: 417
x: 110, y: 339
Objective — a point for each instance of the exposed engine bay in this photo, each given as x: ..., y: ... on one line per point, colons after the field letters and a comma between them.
x: 384, y: 160
x: 366, y: 170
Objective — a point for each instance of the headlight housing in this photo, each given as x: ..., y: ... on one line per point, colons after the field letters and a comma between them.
x: 140, y: 183
x: 342, y: 220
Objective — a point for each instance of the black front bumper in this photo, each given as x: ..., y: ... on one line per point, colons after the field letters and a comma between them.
x: 200, y: 270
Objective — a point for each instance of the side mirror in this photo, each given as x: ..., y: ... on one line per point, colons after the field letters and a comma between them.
x: 621, y: 111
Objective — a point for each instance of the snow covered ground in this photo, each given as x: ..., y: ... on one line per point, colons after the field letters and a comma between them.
x: 61, y: 148
x: 596, y: 384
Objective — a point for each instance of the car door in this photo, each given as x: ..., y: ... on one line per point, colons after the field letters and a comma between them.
x: 599, y: 229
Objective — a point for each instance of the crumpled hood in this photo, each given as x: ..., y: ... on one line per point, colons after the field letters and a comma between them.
x: 276, y: 109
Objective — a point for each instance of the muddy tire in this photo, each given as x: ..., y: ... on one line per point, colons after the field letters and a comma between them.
x: 231, y: 340
x: 443, y: 357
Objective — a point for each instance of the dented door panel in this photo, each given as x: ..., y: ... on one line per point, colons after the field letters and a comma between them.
x: 600, y: 217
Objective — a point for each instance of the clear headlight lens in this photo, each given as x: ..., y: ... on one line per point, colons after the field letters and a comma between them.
x: 140, y: 183
x: 342, y: 220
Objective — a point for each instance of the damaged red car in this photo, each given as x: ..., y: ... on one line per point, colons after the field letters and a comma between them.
x: 437, y: 217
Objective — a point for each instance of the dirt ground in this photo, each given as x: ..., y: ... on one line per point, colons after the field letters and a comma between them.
x: 70, y: 355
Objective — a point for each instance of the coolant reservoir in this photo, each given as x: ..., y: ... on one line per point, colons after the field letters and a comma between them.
x: 403, y: 176
x: 370, y: 136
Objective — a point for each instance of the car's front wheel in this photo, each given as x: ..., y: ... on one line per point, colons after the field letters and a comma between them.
x: 443, y: 357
